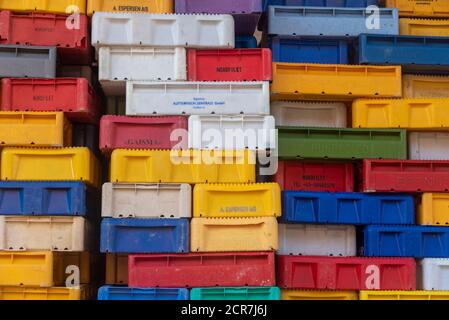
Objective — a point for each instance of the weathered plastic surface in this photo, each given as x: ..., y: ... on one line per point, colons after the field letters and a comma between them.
x: 144, y: 235
x: 241, y: 234
x: 347, y: 208
x: 321, y: 143
x: 433, y: 274
x: 317, y: 240
x: 338, y: 22
x: 346, y: 273
x: 321, y: 3
x: 120, y: 64
x: 27, y: 62
x: 58, y: 6
x: 425, y: 86
x: 162, y: 30
x: 55, y: 293
x: 233, y: 269
x: 428, y: 145
x: 239, y: 293
x: 316, y: 176
x: 180, y: 98
x: 433, y: 209
x: 145, y: 200
x: 129, y: 294
x: 420, y: 8
x: 116, y: 269
x: 217, y: 7
x: 310, y: 50
x: 136, y: 6
x: 245, y: 42
x: 294, y: 294
x: 309, y: 114
x: 237, y: 132
x: 117, y: 132
x: 406, y: 241
x: 424, y: 27
x: 404, y: 295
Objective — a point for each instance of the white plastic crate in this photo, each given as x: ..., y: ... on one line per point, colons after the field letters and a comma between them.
x: 146, y: 200
x: 178, y: 98
x: 21, y: 233
x: 120, y: 64
x: 163, y: 30
x: 317, y: 240
x: 428, y: 145
x: 433, y: 274
x: 309, y: 114
x: 232, y: 132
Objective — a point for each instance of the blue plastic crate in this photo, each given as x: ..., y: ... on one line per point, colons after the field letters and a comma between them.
x: 310, y: 50
x: 144, y: 235
x: 406, y: 241
x: 414, y: 53
x: 245, y: 42
x: 126, y: 293
x: 320, y: 3
x: 347, y: 208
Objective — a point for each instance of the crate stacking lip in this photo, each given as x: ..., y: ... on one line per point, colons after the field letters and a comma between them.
x: 57, y: 6
x: 127, y: 294
x: 431, y: 274
x: 420, y: 9
x: 236, y: 293
x: 27, y: 61
x: 295, y: 294
x: 320, y: 3
x: 136, y: 6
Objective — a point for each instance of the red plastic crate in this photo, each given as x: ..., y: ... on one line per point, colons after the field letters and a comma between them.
x: 43, y: 29
x: 74, y: 96
x: 404, y: 176
x: 142, y: 132
x: 315, y: 176
x: 346, y: 273
x: 202, y: 270
x: 229, y: 65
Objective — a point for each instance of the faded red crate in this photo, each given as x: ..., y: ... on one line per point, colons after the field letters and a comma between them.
x: 142, y: 132
x: 404, y: 176
x: 315, y: 176
x: 202, y: 270
x: 74, y: 96
x: 346, y: 273
x: 229, y: 65
x: 46, y: 29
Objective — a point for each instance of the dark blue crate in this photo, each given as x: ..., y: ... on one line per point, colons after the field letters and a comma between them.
x: 347, y: 208
x: 310, y: 50
x: 406, y: 241
x: 245, y: 42
x: 126, y: 293
x: 320, y: 3
x: 413, y: 53
x: 144, y: 235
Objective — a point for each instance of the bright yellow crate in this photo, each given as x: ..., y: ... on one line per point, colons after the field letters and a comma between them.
x: 420, y: 86
x: 116, y: 269
x: 57, y: 6
x: 134, y: 6
x: 44, y: 129
x: 424, y: 27
x: 417, y: 114
x: 237, y: 200
x: 55, y: 293
x: 298, y: 81
x: 50, y: 164
x: 434, y: 209
x: 420, y: 8
x: 404, y: 295
x: 287, y: 294
x: 188, y: 166
x: 233, y: 234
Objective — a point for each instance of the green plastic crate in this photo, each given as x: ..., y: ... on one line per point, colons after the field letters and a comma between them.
x: 322, y: 143
x: 238, y: 293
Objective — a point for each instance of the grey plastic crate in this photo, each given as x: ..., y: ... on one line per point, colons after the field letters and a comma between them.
x: 27, y: 61
x: 337, y: 22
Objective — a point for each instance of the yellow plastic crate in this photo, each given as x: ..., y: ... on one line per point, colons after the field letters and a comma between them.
x: 298, y: 81
x: 420, y: 8
x: 188, y: 166
x: 287, y: 294
x: 57, y: 6
x: 134, y: 6
x: 417, y: 114
x: 55, y: 293
x: 404, y: 295
x: 116, y: 269
x: 233, y: 234
x: 424, y: 27
x: 434, y: 209
x: 419, y: 86
x: 50, y: 164
x: 237, y: 200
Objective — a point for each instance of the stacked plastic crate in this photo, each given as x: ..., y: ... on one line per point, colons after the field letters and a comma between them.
x: 47, y: 220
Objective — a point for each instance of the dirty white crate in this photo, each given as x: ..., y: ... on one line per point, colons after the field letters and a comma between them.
x: 317, y: 240
x: 146, y: 200
x: 433, y: 274
x: 120, y: 64
x: 21, y: 233
x: 232, y: 132
x: 178, y: 98
x: 428, y: 145
x: 309, y: 114
x: 163, y: 30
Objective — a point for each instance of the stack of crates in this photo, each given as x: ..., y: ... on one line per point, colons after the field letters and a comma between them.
x: 49, y: 178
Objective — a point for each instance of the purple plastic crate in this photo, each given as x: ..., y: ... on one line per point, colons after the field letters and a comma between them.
x: 220, y: 7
